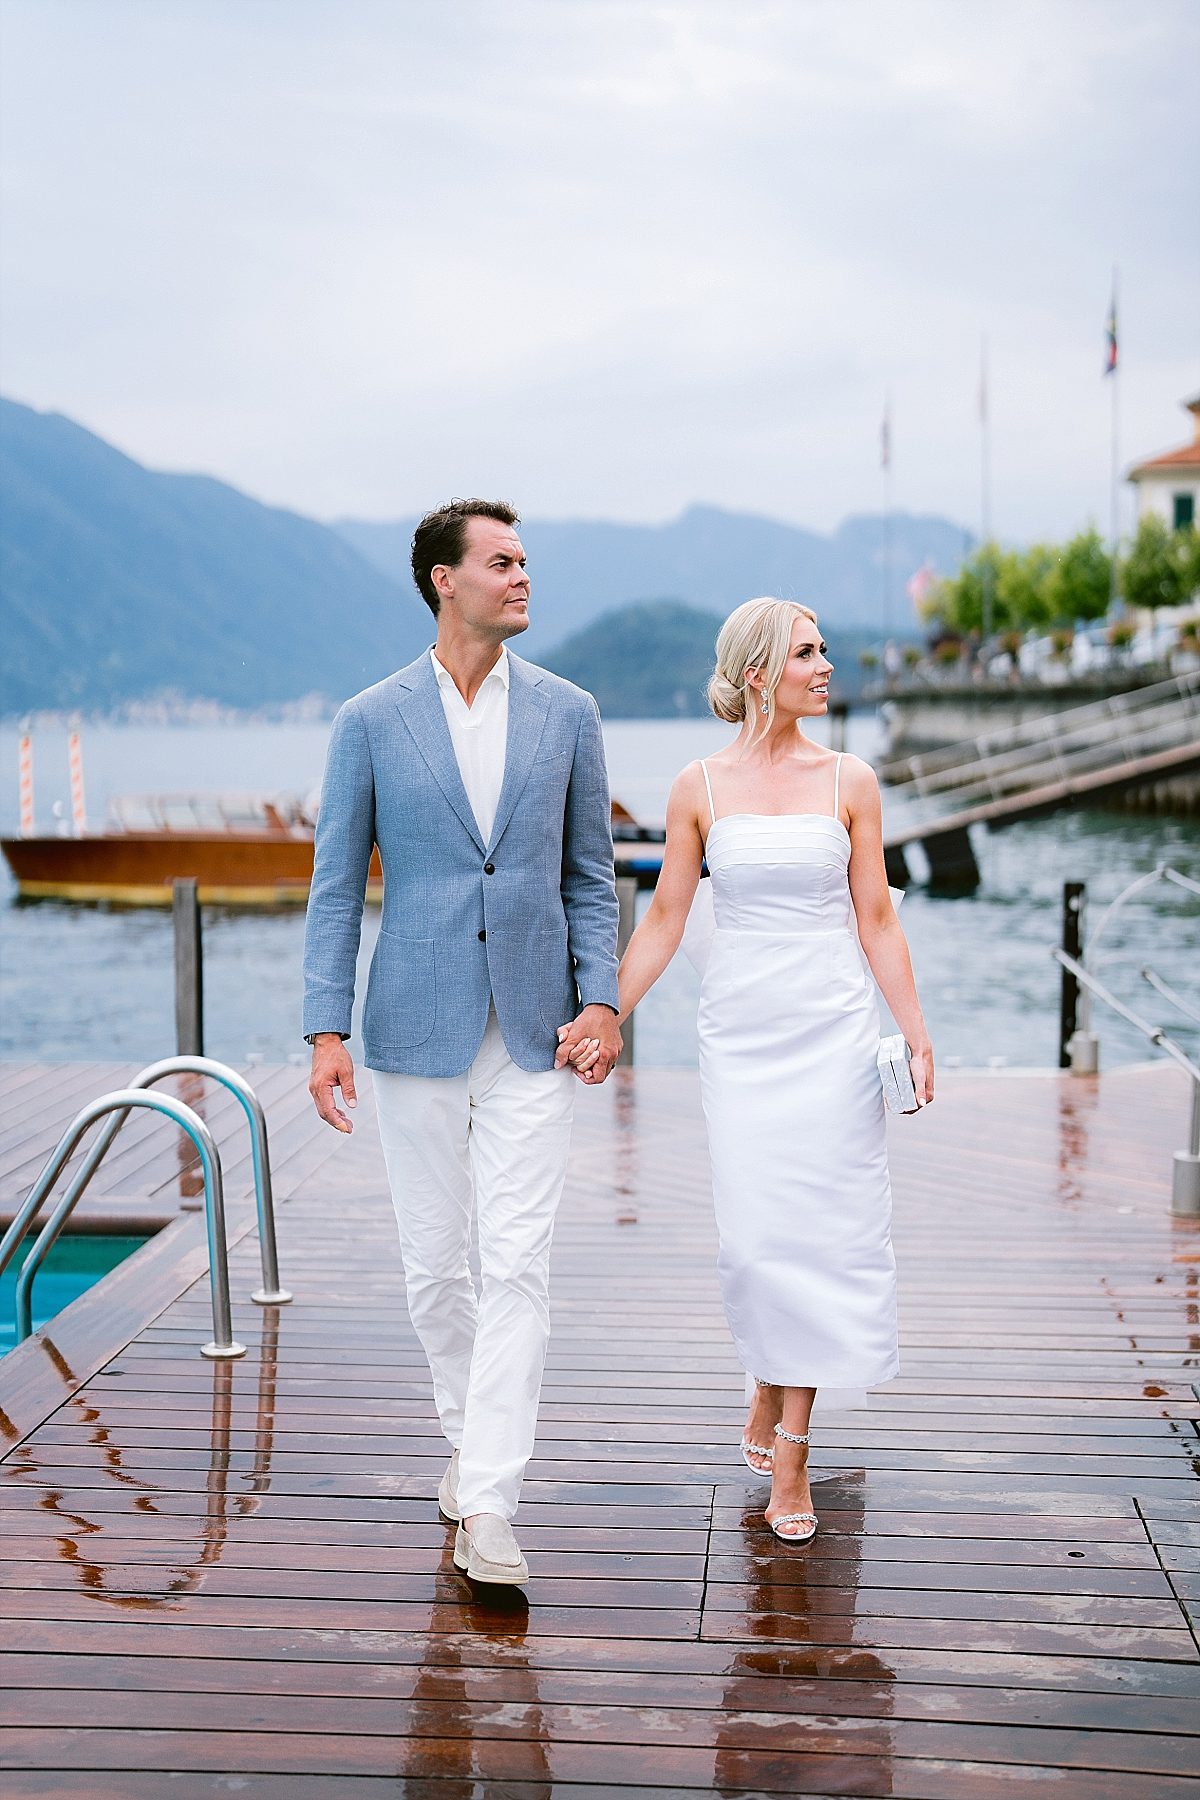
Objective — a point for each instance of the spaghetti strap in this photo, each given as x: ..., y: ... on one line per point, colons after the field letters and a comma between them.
x: 712, y: 811
x: 837, y: 782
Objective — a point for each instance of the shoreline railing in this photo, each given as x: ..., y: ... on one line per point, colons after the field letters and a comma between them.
x: 1054, y: 747
x: 1079, y: 1045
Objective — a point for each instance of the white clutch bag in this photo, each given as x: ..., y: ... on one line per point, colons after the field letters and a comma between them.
x: 899, y: 1094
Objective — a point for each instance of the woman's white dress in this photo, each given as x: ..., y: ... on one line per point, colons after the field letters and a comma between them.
x: 789, y: 1034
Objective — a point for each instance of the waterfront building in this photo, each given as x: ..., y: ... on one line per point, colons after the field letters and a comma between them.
x: 1169, y: 485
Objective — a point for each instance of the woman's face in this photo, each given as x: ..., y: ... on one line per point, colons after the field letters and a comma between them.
x: 803, y: 689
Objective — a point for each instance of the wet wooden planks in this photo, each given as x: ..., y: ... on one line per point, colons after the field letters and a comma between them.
x: 228, y: 1574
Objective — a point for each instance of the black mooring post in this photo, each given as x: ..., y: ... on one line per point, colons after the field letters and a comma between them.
x: 189, y: 969
x: 1074, y: 894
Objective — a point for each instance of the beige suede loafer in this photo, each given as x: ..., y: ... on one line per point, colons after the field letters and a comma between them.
x: 448, y: 1491
x: 489, y: 1552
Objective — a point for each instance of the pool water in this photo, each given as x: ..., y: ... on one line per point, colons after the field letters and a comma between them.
x: 75, y: 1263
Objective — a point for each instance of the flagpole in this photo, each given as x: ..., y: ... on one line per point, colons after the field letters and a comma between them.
x: 985, y: 494
x: 1114, y: 500
x: 887, y: 517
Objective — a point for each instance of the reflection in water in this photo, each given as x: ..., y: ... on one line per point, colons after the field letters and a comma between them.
x: 190, y: 1088
x: 626, y: 1162
x: 815, y: 1612
x: 76, y: 1547
x: 496, y: 1618
x: 1076, y: 1105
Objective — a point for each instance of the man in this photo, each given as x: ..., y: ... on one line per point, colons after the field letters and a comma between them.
x: 482, y: 780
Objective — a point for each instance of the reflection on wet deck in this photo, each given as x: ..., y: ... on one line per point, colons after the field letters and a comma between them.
x: 232, y: 1577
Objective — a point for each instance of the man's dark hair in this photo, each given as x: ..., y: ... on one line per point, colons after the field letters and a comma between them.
x: 441, y: 537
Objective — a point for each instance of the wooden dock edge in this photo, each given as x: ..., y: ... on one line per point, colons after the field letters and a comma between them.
x: 38, y: 1376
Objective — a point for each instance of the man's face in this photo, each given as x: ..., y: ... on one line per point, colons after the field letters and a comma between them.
x: 488, y: 589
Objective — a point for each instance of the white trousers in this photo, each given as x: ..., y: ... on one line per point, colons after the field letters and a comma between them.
x: 494, y: 1141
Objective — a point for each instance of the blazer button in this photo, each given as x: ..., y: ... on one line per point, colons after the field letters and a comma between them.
x: 483, y: 937
x: 489, y: 868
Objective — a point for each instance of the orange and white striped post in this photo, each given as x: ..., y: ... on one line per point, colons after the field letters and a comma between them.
x: 26, y: 784
x: 78, y: 807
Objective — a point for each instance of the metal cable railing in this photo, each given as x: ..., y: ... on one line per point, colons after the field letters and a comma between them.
x: 1185, y: 1176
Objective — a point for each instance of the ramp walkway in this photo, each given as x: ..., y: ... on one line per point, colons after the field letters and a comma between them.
x: 1060, y: 759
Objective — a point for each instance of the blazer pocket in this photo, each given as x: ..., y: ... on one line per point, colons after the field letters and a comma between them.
x: 556, y: 990
x: 401, y: 1002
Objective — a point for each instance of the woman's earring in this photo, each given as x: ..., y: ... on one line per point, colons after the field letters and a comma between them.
x: 766, y: 706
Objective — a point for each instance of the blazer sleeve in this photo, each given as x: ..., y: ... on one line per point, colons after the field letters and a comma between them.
x: 342, y: 857
x: 589, y: 888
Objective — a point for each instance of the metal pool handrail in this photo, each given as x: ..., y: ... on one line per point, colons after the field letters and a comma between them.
x: 223, y: 1345
x: 1185, y: 1181
x: 270, y: 1294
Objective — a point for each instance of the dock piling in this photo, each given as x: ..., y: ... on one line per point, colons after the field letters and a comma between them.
x: 189, y: 968
x: 1185, y: 1167
x: 1074, y: 900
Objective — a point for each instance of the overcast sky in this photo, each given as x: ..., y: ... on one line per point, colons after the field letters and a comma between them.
x: 607, y: 258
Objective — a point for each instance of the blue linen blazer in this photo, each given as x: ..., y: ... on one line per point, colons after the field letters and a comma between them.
x: 528, y: 920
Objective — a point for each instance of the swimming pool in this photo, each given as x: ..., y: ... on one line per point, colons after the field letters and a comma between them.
x: 75, y: 1263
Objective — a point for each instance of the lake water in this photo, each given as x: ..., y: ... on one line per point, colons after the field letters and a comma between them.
x: 87, y: 983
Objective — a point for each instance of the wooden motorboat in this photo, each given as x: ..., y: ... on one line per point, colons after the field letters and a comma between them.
x: 245, y: 850
x: 242, y: 850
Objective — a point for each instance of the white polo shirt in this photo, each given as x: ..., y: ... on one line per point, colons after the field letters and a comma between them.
x: 479, y: 734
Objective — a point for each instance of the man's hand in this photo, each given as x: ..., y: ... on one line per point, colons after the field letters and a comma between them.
x: 591, y: 1044
x: 332, y: 1068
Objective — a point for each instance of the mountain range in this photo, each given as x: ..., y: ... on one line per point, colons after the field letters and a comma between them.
x: 120, y: 583
x: 706, y: 558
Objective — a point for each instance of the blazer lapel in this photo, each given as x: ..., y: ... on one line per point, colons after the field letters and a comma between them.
x: 528, y: 707
x: 425, y: 717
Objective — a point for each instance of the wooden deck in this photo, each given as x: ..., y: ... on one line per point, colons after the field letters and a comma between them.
x: 232, y: 1579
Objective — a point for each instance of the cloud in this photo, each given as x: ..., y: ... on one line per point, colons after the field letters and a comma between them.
x: 608, y: 257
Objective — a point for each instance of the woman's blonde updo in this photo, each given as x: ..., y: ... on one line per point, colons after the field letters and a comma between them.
x: 758, y: 635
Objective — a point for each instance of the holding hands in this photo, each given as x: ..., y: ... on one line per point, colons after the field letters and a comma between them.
x: 591, y: 1044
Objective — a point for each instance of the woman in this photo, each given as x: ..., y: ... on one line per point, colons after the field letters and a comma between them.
x: 789, y: 1035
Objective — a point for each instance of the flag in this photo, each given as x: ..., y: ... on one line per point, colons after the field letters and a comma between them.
x: 919, y: 585
x: 1110, y: 334
x: 885, y: 437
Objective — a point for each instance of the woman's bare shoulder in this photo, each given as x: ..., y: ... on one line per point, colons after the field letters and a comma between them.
x: 688, y: 785
x: 857, y: 774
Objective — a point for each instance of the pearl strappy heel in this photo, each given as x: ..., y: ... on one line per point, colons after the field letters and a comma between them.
x: 796, y: 1518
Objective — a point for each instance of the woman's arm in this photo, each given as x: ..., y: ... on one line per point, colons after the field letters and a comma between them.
x: 656, y: 939
x: 879, y: 929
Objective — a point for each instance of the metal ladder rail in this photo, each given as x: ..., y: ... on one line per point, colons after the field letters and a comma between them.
x: 271, y: 1293
x: 1185, y: 1177
x: 223, y: 1345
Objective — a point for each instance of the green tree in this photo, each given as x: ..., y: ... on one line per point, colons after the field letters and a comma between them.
x: 1079, y: 585
x: 1160, y: 567
x: 1023, y: 589
x: 958, y: 601
x: 1189, y: 550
